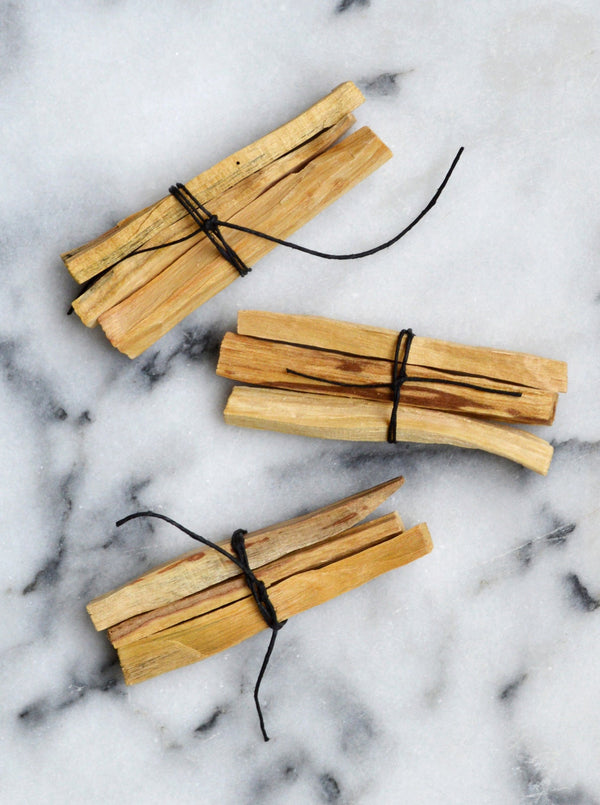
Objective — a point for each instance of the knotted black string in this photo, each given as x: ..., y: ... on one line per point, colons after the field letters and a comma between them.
x: 257, y: 588
x: 210, y: 225
x: 399, y: 378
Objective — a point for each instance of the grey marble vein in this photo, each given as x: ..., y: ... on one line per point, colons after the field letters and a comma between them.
x: 383, y: 84
x: 344, y: 5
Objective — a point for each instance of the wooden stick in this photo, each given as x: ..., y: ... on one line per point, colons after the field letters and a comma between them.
x: 338, y: 547
x: 134, y: 272
x: 138, y: 321
x: 92, y: 258
x: 377, y: 342
x: 199, y: 569
x: 225, y: 627
x: 266, y: 363
x: 331, y: 417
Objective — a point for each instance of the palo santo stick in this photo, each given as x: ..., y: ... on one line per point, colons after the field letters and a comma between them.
x: 141, y: 319
x: 136, y: 323
x: 338, y: 547
x: 225, y: 627
x: 138, y: 269
x: 265, y: 363
x: 131, y: 233
x: 331, y: 417
x: 197, y: 570
x: 377, y: 342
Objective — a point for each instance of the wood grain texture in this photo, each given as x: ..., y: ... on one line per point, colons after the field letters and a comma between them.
x: 236, y: 588
x: 267, y: 363
x: 199, y: 569
x: 134, y: 272
x: 377, y: 342
x: 225, y: 627
x: 140, y: 320
x: 131, y: 233
x: 345, y: 418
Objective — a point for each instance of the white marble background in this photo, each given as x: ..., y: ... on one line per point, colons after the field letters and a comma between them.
x: 468, y: 677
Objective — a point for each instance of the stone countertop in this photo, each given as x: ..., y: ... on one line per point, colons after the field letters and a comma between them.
x: 469, y: 676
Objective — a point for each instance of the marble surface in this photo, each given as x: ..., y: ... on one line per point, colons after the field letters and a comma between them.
x: 469, y: 676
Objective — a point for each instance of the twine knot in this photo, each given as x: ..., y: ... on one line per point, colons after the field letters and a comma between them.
x: 211, y: 224
x: 255, y: 585
x: 399, y: 378
x: 257, y: 588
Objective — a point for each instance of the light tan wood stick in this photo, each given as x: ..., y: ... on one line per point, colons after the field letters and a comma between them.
x: 138, y: 321
x: 131, y: 233
x: 134, y: 272
x: 199, y: 569
x: 377, y: 342
x: 266, y: 363
x: 225, y: 627
x: 330, y: 417
x: 338, y: 547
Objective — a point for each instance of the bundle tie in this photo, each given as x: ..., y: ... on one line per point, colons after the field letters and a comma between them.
x: 210, y: 225
x: 257, y: 589
x: 399, y: 378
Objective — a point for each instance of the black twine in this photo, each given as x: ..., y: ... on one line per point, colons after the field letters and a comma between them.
x: 210, y: 225
x: 399, y: 378
x: 257, y: 588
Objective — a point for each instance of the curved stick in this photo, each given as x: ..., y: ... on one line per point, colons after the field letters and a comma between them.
x: 332, y: 417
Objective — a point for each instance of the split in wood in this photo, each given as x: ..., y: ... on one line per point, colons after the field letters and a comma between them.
x: 274, y: 185
x: 225, y: 627
x: 332, y: 379
x: 199, y: 604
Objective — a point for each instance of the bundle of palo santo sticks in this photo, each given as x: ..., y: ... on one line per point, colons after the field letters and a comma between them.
x: 154, y: 268
x: 319, y: 377
x: 199, y: 604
